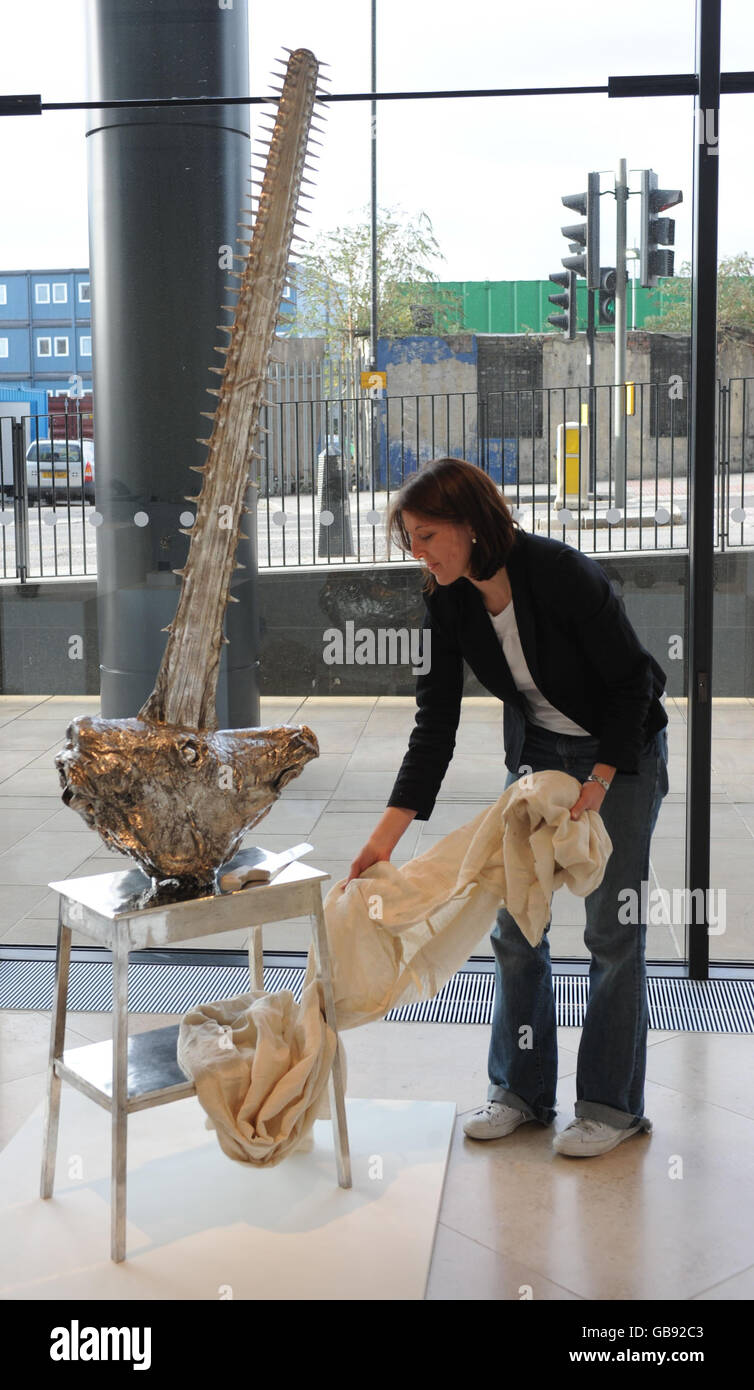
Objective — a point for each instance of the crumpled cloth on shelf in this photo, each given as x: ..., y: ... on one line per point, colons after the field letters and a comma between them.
x: 396, y: 935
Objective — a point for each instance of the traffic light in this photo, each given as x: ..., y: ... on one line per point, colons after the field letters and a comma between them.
x: 606, y: 312
x: 566, y: 301
x: 585, y: 234
x: 656, y: 232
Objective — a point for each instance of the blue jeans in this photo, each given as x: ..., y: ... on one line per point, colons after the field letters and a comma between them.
x: 523, y: 1064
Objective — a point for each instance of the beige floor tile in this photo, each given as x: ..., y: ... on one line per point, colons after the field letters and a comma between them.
x: 745, y: 809
x: 465, y: 1269
x: 25, y: 1042
x: 18, y: 1099
x: 63, y: 818
x: 666, y: 857
x: 30, y: 781
x: 478, y: 709
x: 373, y: 784
x: 97, y: 1026
x: 478, y: 775
x: 481, y: 737
x: 725, y: 820
x: 451, y: 815
x: 337, y: 868
x: 736, y: 943
x: 737, y: 724
x: 325, y: 707
x: 393, y: 701
x: 351, y: 828
x: 46, y: 805
x: 291, y: 817
x: 319, y: 778
x: 738, y: 788
x: 567, y: 941
x: 102, y: 862
x: 42, y: 908
x: 285, y: 701
x: 16, y: 902
x: 15, y: 827
x: 46, y: 855
x: 275, y: 842
x: 383, y: 752
x: 289, y: 934
x: 531, y: 1219
x: 45, y: 760
x: 66, y: 707
x: 721, y: 1074
x: 37, y: 737
x: 731, y: 862
x: 11, y: 763
x: 739, y: 1286
x: 338, y: 736
x: 388, y: 724
x: 733, y: 756
x: 618, y: 1226
x: 427, y: 838
x: 39, y: 931
x: 420, y: 1061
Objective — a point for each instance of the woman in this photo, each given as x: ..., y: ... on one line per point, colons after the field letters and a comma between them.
x: 541, y: 627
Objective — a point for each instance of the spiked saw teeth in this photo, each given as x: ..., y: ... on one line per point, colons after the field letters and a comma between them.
x: 185, y: 689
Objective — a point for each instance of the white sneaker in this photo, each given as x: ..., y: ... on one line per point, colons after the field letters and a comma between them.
x: 494, y: 1120
x: 584, y: 1137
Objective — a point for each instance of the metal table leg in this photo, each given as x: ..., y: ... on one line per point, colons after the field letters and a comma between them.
x: 57, y: 1041
x: 119, y: 1114
x: 335, y: 1080
x: 256, y: 958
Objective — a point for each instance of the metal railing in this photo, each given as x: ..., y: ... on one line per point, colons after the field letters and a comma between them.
x: 331, y: 467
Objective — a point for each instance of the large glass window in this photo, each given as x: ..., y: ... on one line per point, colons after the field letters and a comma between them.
x: 732, y: 789
x: 484, y: 178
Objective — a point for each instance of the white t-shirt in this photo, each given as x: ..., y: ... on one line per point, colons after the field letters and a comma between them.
x: 539, y: 710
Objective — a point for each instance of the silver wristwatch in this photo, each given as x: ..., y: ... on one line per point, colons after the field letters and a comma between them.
x: 594, y: 777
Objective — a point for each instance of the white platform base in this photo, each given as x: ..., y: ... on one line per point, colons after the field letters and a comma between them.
x: 201, y: 1226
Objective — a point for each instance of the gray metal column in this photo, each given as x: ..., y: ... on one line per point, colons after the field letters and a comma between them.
x: 166, y: 186
x: 702, y: 458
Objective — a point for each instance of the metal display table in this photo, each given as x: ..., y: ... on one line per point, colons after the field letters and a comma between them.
x: 135, y: 1073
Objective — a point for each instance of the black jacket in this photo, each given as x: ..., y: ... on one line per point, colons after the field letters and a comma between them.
x: 579, y: 645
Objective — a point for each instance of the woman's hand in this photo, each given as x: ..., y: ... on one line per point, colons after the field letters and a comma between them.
x: 373, y: 852
x: 383, y: 839
x: 590, y: 798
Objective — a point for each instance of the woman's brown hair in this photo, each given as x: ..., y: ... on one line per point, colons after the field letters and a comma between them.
x: 458, y: 491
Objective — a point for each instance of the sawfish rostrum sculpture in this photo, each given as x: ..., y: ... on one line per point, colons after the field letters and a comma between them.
x: 168, y: 787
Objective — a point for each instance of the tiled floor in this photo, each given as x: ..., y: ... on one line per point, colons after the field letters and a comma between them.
x: 662, y: 1216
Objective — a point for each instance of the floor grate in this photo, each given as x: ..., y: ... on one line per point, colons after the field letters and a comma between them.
x: 695, y: 1006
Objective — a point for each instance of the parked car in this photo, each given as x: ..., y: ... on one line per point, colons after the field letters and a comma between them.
x: 66, y: 472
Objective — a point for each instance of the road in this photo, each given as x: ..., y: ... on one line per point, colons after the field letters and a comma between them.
x: 62, y: 541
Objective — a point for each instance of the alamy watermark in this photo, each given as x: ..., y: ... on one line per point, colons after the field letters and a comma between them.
x: 385, y: 646
x: 675, y: 907
x: 707, y: 133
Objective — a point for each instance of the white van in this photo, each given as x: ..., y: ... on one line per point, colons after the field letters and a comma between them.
x: 60, y: 468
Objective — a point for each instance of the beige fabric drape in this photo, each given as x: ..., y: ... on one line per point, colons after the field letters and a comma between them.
x: 260, y: 1062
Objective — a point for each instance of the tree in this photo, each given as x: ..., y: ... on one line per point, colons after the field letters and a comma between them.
x: 735, y: 300
x: 335, y: 283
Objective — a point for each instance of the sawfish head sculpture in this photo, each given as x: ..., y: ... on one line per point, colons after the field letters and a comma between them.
x: 178, y: 801
x: 167, y: 787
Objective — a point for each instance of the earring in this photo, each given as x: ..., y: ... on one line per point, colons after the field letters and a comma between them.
x: 473, y: 540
